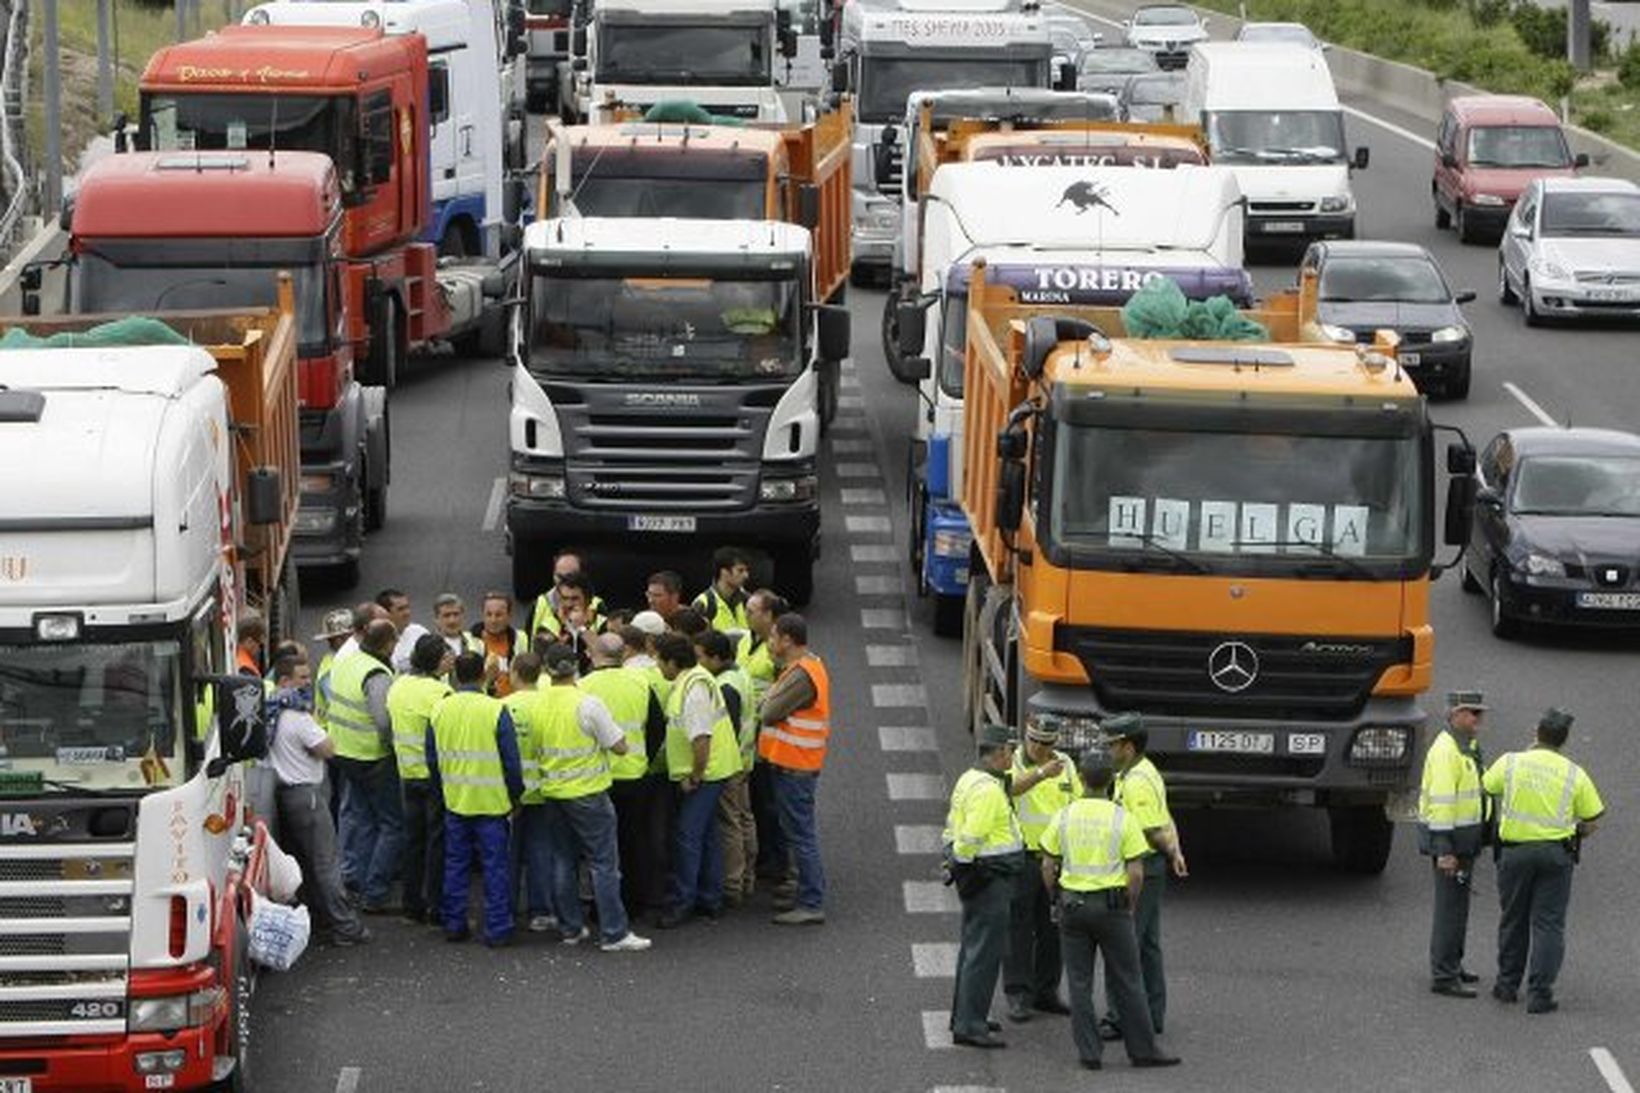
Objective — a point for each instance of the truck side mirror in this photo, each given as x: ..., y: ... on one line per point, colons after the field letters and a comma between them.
x: 839, y: 77
x: 1460, y: 458
x: 30, y: 279
x: 808, y: 205
x: 788, y: 43
x: 120, y: 139
x: 1363, y: 155
x: 1067, y: 77
x: 911, y: 327
x: 263, y: 496
x: 1449, y: 161
x: 1011, y: 495
x: 1460, y: 509
x: 835, y: 334
x: 828, y: 37
x: 65, y: 216
x: 241, y: 722
x: 578, y: 41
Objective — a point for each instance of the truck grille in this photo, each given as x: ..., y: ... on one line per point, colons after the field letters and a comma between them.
x: 890, y: 184
x: 1267, y: 208
x: 1320, y: 678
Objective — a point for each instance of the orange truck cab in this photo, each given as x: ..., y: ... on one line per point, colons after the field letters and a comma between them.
x: 1233, y: 538
x: 1487, y: 149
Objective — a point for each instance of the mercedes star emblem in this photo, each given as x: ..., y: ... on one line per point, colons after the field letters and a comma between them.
x: 1232, y: 666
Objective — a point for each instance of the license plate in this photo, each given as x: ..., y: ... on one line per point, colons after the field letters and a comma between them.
x: 1253, y: 743
x: 1285, y: 227
x: 1610, y: 294
x: 1410, y: 360
x: 16, y: 1085
x: 1306, y: 743
x: 1610, y: 601
x: 653, y: 523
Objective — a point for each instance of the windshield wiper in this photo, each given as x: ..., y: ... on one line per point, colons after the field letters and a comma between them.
x: 1313, y: 154
x: 1154, y: 542
x: 79, y: 787
x: 1322, y: 549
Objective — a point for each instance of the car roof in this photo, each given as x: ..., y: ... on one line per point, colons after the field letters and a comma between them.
x: 1588, y: 185
x: 1577, y: 440
x: 1502, y: 110
x: 1371, y: 248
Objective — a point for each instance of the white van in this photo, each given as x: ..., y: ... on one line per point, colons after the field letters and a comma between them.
x: 1271, y: 114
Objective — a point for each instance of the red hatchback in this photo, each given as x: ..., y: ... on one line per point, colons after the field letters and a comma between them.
x: 1487, y: 149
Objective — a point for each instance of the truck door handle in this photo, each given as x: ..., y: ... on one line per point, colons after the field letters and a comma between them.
x: 466, y: 140
x: 449, y: 172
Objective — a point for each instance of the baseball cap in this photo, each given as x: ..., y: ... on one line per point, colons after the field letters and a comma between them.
x: 1465, y: 700
x: 560, y: 661
x: 338, y: 624
x: 650, y: 622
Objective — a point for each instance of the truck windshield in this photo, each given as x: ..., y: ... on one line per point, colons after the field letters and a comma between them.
x: 723, y: 53
x: 1276, y: 136
x: 104, y: 716
x: 886, y: 82
x: 208, y: 121
x: 696, y: 198
x: 614, y: 328
x: 108, y: 287
x: 1237, y: 502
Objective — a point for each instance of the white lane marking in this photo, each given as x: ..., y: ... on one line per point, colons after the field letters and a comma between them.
x: 1389, y: 126
x: 880, y: 585
x: 866, y: 495
x: 1531, y: 405
x: 937, y: 1029
x: 867, y: 525
x: 930, y: 897
x: 498, y: 497
x: 906, y: 738
x: 891, y: 656
x: 1610, y: 1071
x: 348, y: 1080
x: 851, y: 402
x: 883, y: 618
x: 899, y: 695
x: 849, y: 382
x: 858, y: 470
x: 934, y: 959
x: 850, y: 445
x: 917, y: 838
x: 916, y: 787
x: 873, y: 552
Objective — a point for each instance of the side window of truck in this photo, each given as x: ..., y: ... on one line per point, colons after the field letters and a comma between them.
x: 378, y: 138
x: 438, y: 93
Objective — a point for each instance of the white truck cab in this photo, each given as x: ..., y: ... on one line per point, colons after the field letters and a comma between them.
x: 1271, y: 114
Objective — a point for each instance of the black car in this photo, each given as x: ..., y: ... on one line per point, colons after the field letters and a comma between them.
x: 1370, y: 286
x: 1557, y: 528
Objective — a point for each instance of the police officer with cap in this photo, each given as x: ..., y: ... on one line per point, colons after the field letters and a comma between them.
x: 1451, y: 830
x: 1547, y: 805
x: 984, y: 853
x: 1044, y: 780
x: 1137, y: 786
x: 1092, y: 856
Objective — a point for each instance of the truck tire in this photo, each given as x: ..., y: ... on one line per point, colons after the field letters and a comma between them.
x: 240, y: 991
x: 386, y: 358
x: 1361, y: 838
x: 829, y: 377
x: 284, y: 604
x: 794, y: 575
x: 973, y: 676
x: 373, y: 499
x: 891, y: 342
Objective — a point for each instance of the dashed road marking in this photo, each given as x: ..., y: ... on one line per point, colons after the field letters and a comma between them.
x: 899, y: 696
x: 1609, y: 1070
x: 861, y: 553
x: 1531, y: 405
x: 850, y: 445
x: 858, y: 470
x: 348, y: 1080
x: 891, y: 656
x: 498, y: 498
x: 937, y: 1029
x: 917, y: 838
x: 881, y: 585
x: 915, y: 787
x: 867, y: 525
x: 930, y: 897
x: 883, y: 618
x: 865, y: 495
x: 906, y: 738
x: 850, y: 402
x: 934, y: 959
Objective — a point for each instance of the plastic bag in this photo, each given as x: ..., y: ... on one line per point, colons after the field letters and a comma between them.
x: 284, y: 873
x: 279, y: 934
x: 1159, y: 310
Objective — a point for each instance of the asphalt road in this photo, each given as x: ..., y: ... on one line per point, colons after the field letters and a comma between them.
x: 1283, y: 975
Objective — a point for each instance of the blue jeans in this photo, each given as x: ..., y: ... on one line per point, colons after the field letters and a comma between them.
x: 372, y: 827
x: 794, y: 796
x: 586, y: 825
x: 535, y: 861
x: 697, y: 856
x: 486, y: 838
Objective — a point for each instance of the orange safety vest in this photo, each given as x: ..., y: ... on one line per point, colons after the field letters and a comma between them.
x: 245, y: 663
x: 799, y: 741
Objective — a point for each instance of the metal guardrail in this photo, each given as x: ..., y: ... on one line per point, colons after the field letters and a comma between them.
x: 13, y: 99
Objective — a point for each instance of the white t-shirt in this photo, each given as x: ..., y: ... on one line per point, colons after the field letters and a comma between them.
x: 597, y: 722
x: 406, y: 645
x: 294, y: 733
x: 699, y: 711
x: 348, y: 648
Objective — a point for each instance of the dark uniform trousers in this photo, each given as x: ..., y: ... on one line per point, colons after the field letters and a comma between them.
x: 1032, y: 966
x: 1451, y: 924
x: 1534, y: 886
x: 979, y: 959
x: 1147, y: 928
x: 1099, y: 924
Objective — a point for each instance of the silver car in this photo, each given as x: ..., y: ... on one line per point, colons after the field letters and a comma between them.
x: 1291, y: 33
x: 1572, y: 249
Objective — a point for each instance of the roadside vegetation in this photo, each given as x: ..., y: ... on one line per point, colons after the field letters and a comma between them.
x: 1500, y: 45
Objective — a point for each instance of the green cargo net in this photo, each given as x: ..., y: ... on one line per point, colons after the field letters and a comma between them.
x: 1160, y: 310
x: 133, y: 331
x: 686, y: 112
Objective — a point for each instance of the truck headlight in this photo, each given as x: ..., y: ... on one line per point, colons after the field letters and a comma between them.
x: 801, y: 488
x: 1541, y: 565
x: 1492, y: 200
x: 1339, y: 203
x: 159, y: 1014
x: 541, y: 487
x: 315, y: 520
x: 1337, y: 333
x: 1381, y: 744
x: 1449, y: 334
x: 953, y: 544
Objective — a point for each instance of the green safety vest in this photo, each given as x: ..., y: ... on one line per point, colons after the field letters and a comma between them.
x: 1036, y: 807
x: 526, y: 724
x: 1542, y: 795
x: 754, y: 658
x: 545, y: 616
x: 1093, y: 840
x: 737, y: 680
x: 1450, y: 795
x: 410, y: 703
x: 571, y: 763
x: 718, y: 612
x: 723, y: 761
x: 321, y: 689
x: 981, y: 821
x: 351, y: 726
x: 465, y: 725
x: 626, y: 692
x: 1141, y: 792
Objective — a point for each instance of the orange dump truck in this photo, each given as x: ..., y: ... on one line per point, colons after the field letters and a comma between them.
x: 1234, y: 538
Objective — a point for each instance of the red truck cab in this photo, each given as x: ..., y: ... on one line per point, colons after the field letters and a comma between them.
x: 1487, y: 149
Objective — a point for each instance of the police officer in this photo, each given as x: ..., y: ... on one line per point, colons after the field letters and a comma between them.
x: 1092, y: 856
x: 985, y: 853
x: 1044, y: 781
x: 1451, y: 830
x: 1137, y: 786
x: 1546, y: 806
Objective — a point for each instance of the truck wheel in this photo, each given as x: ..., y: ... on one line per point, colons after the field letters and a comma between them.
x: 1361, y: 838
x: 794, y: 575
x: 948, y: 612
x: 284, y: 604
x: 891, y: 340
x: 374, y: 499
x: 386, y: 349
x: 239, y: 1016
x: 973, y: 660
